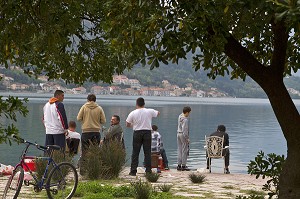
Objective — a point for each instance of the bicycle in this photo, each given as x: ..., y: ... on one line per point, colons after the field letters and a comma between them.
x: 61, y: 182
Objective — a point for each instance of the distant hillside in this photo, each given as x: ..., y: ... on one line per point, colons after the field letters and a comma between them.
x: 180, y: 74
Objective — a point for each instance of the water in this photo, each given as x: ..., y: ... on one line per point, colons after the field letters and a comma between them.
x: 250, y: 123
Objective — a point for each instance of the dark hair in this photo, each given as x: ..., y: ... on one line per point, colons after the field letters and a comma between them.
x: 118, y: 117
x: 58, y: 92
x: 72, y: 124
x: 221, y: 128
x: 140, y: 102
x: 154, y: 127
x: 91, y: 97
x: 186, y: 109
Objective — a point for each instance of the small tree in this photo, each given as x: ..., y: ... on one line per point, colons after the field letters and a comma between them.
x: 270, y: 166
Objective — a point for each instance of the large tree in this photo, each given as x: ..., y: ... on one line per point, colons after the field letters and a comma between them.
x: 89, y: 39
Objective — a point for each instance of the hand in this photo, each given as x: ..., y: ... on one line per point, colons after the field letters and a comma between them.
x: 66, y: 132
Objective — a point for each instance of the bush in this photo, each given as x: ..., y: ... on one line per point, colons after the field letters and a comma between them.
x: 142, y: 190
x: 41, y: 163
x: 165, y: 187
x: 152, y: 177
x: 269, y: 165
x: 250, y: 197
x: 104, y: 162
x: 197, y: 178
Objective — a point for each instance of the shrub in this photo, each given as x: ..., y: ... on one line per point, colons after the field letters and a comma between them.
x: 104, y: 162
x: 142, y: 190
x: 165, y: 187
x: 152, y: 177
x: 41, y: 163
x: 269, y: 165
x: 197, y: 178
x: 250, y: 197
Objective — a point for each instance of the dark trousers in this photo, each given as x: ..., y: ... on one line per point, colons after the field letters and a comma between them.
x: 164, y: 157
x: 226, y: 155
x: 56, y: 139
x: 141, y: 137
x: 87, y: 139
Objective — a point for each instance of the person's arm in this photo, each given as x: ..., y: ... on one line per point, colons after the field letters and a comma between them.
x: 129, y: 121
x: 102, y: 117
x: 226, y: 140
x: 129, y: 125
x: 80, y: 114
x: 185, y: 129
x: 62, y: 114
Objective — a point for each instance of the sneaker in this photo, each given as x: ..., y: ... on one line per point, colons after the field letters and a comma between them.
x: 185, y: 168
x: 227, y: 171
x: 132, y: 174
x: 167, y: 167
x: 179, y: 168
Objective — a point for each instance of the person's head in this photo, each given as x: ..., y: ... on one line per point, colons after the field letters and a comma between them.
x: 154, y: 128
x: 221, y: 128
x: 115, y: 119
x: 72, y: 125
x: 60, y: 95
x: 140, y: 102
x: 186, y: 110
x: 91, y: 98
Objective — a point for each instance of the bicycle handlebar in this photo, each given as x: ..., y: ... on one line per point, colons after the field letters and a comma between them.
x: 25, y: 141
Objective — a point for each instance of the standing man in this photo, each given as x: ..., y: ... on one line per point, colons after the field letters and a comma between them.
x: 55, y: 120
x: 140, y: 120
x: 183, y: 139
x: 115, y: 131
x: 221, y: 131
x: 91, y: 116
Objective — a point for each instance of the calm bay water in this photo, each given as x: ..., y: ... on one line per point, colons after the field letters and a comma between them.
x: 250, y: 123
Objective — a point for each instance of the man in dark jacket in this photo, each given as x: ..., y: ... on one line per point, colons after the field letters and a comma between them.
x: 220, y: 133
x: 115, y: 131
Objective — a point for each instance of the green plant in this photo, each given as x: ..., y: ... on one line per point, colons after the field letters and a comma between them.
x: 197, y: 178
x: 104, y: 162
x: 269, y: 165
x: 41, y: 163
x: 252, y: 196
x: 152, y: 177
x: 142, y: 190
x: 165, y: 187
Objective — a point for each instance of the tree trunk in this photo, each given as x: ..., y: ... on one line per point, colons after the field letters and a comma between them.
x: 289, y: 120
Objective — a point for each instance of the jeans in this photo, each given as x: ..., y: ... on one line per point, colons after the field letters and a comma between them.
x: 141, y: 137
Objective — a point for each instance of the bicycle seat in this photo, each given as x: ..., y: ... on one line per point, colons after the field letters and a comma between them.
x: 53, y: 147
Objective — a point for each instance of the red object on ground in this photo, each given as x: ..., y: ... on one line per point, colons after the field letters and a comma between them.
x: 30, y: 163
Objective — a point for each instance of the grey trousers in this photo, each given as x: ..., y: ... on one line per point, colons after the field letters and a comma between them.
x: 183, y: 149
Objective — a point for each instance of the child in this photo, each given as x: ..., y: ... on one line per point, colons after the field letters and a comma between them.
x: 157, y: 146
x: 72, y: 139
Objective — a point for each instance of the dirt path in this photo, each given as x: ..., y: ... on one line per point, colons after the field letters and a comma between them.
x: 216, y: 186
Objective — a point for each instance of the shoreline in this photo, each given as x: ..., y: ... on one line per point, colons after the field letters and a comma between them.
x: 215, y: 186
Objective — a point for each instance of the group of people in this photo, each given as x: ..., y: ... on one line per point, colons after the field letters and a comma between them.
x: 92, y: 117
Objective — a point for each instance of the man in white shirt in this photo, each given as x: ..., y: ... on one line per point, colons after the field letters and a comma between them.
x: 141, y: 121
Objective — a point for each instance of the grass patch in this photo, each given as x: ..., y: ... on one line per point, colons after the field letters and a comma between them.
x: 142, y: 190
x: 165, y: 187
x: 228, y: 187
x: 253, y: 192
x: 152, y: 177
x: 197, y: 178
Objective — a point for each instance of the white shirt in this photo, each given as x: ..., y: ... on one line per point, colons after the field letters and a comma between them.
x: 141, y: 118
x: 73, y: 134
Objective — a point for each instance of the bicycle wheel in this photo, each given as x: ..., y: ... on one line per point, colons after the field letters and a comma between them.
x: 14, y: 183
x: 62, y: 181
